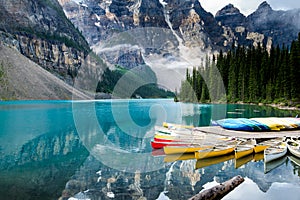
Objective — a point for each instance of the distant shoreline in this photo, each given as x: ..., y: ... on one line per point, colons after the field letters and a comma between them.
x: 283, y: 107
x: 109, y: 97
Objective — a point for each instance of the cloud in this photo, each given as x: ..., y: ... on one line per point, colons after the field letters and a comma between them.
x: 284, y: 5
x: 247, y: 7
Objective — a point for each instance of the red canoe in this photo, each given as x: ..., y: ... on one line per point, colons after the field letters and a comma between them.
x: 160, y: 145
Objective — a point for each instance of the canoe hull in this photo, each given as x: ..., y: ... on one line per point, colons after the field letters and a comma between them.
x: 182, y: 149
x: 240, y: 152
x: 160, y: 145
x: 234, y: 124
x: 273, y: 153
x: 213, y: 152
x: 260, y: 148
x: 293, y: 148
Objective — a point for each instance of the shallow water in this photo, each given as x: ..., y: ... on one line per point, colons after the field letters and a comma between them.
x: 101, y: 150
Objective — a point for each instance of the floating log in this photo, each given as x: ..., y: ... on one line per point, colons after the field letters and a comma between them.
x: 219, y: 191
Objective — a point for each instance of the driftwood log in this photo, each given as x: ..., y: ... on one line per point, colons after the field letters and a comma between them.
x: 219, y: 191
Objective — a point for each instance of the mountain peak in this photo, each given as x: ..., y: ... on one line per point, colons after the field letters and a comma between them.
x: 228, y: 10
x: 264, y: 6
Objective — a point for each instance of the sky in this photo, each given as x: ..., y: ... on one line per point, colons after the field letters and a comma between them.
x: 248, y: 6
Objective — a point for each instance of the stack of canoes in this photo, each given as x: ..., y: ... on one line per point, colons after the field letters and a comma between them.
x: 260, y: 124
x: 176, y: 142
x: 242, y: 124
x: 176, y: 136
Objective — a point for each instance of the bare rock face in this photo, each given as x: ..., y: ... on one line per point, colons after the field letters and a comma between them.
x: 281, y: 26
x: 43, y: 18
x: 233, y: 24
x: 54, y: 57
x: 98, y: 20
x: 101, y: 20
x: 22, y: 78
x: 230, y: 16
x: 264, y: 26
x: 40, y: 31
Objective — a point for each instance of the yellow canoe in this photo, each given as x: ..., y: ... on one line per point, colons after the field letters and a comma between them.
x: 244, y: 148
x: 260, y: 147
x: 183, y: 149
x: 212, y: 161
x: 164, y: 136
x: 176, y: 157
x: 242, y: 151
x: 218, y: 150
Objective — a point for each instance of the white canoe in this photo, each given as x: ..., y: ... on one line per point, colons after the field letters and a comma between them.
x: 294, y: 148
x: 275, y: 152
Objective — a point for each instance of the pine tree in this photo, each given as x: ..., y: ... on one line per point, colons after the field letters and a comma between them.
x: 294, y: 67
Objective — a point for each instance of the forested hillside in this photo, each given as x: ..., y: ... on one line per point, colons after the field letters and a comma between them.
x: 249, y: 74
x: 142, y: 83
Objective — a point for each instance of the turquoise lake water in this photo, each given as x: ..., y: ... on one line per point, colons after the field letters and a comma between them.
x: 101, y: 150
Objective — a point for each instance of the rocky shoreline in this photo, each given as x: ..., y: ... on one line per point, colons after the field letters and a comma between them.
x: 282, y: 107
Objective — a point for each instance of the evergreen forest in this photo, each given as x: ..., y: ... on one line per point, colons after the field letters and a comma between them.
x: 247, y: 74
x: 152, y: 90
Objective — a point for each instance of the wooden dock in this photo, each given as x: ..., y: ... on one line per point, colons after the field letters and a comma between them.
x: 217, y: 130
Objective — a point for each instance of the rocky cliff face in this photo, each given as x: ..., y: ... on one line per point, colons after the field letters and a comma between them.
x: 234, y: 25
x: 281, y: 26
x: 41, y: 32
x: 265, y: 25
x: 55, y: 57
x: 42, y: 18
x: 21, y: 78
x: 99, y: 19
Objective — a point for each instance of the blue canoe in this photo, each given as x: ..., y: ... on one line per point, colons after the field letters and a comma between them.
x: 242, y: 124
